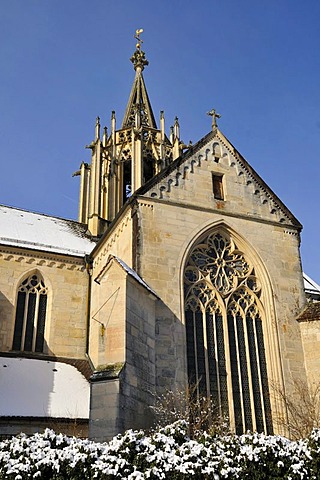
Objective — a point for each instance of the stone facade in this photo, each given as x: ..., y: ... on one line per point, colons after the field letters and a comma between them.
x: 148, y: 203
x: 67, y: 281
x: 166, y: 228
x: 309, y: 321
x: 124, y: 334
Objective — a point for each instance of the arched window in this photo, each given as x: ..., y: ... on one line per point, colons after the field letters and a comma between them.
x: 30, y: 315
x: 224, y: 327
x: 127, y: 187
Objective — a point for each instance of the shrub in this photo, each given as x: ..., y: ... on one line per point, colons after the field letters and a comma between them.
x: 168, y: 453
x: 200, y: 412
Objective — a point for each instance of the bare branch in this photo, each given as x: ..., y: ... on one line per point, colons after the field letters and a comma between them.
x: 302, y: 407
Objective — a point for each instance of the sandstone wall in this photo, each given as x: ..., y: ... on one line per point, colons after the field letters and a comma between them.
x: 67, y: 282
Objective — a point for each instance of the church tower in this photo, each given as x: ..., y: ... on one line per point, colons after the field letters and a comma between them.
x: 196, y: 278
x: 127, y: 158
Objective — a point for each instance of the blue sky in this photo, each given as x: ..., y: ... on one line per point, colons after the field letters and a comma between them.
x: 257, y: 62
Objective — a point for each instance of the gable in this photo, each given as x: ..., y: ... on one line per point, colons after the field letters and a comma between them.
x: 190, y: 181
x: 126, y: 269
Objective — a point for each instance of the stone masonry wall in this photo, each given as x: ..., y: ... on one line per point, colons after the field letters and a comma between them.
x: 104, y: 422
x: 310, y: 332
x: 138, y: 383
x: 167, y: 231
x: 107, y: 320
x: 67, y: 282
x: 123, y: 402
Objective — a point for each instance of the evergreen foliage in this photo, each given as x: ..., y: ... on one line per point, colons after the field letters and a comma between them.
x: 165, y: 454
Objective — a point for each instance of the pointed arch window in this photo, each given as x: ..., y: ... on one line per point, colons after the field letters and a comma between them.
x: 30, y: 315
x: 126, y: 172
x: 224, y: 328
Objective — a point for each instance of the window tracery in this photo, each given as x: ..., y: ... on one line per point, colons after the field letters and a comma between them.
x: 30, y: 315
x: 224, y: 326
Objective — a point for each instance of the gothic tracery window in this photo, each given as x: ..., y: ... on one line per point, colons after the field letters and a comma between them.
x: 224, y: 327
x: 30, y: 315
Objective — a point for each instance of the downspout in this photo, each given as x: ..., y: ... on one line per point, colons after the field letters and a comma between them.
x: 88, y: 265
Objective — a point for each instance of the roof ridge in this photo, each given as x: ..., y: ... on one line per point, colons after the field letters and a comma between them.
x: 40, y: 213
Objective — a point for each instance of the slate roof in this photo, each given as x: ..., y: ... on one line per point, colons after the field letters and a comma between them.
x: 21, y: 228
x: 310, y: 313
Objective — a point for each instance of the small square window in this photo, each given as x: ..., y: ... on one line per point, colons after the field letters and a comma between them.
x: 217, y: 187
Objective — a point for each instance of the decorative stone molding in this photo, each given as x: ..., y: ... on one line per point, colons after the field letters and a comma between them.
x: 146, y: 205
x: 220, y: 152
x: 114, y: 236
x: 41, y: 259
x: 293, y: 233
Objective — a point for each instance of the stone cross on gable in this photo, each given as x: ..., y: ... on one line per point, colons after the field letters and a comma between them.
x: 214, y: 116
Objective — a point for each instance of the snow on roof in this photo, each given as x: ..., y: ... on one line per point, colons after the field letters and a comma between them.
x: 127, y: 269
x: 310, y: 285
x: 43, y: 232
x: 133, y: 274
x: 42, y: 388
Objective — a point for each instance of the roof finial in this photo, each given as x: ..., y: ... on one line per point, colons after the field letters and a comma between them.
x: 137, y: 37
x: 139, y: 57
x: 97, y: 129
x: 213, y: 113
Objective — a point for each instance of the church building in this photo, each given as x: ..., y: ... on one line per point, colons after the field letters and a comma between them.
x: 183, y: 268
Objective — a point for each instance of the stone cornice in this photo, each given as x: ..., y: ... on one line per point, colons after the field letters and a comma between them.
x: 39, y: 258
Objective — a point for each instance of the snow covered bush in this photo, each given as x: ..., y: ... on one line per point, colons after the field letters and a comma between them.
x: 165, y: 454
x: 200, y: 412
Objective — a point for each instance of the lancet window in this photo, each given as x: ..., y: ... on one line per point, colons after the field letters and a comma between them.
x: 127, y: 187
x: 225, y: 332
x: 30, y: 315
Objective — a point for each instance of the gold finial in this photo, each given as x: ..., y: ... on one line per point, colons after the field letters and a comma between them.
x: 139, y: 57
x: 137, y: 37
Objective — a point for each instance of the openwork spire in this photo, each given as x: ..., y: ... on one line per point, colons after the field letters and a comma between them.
x: 139, y: 105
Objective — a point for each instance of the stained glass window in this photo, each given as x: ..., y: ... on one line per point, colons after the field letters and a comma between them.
x: 30, y: 315
x: 224, y: 327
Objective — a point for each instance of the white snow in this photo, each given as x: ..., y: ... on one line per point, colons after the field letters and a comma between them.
x: 310, y: 285
x: 41, y: 388
x: 42, y: 232
x: 133, y: 273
